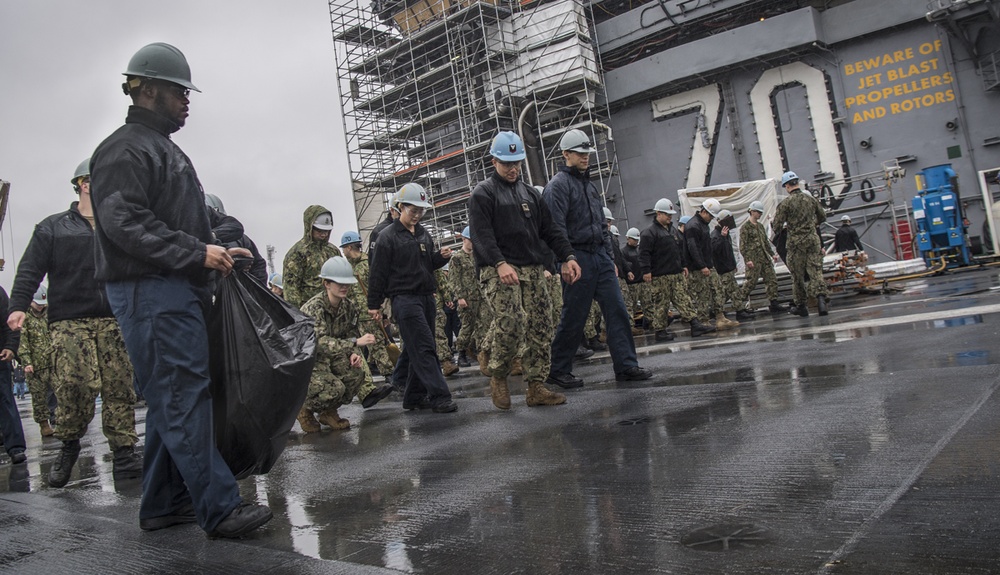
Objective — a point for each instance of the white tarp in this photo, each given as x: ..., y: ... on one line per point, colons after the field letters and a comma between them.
x: 736, y: 198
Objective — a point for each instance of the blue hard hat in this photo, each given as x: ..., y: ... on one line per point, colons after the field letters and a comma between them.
x: 507, y: 147
x: 466, y: 233
x: 350, y: 238
x: 685, y: 219
x: 788, y: 177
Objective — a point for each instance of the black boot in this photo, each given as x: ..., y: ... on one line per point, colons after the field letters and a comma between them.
x: 775, y: 306
x: 595, y: 344
x: 744, y: 315
x: 59, y: 476
x: 799, y: 310
x: 463, y: 360
x: 127, y: 463
x: 821, y: 304
x: 664, y: 335
x: 698, y: 328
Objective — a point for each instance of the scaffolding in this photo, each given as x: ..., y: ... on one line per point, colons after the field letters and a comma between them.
x: 425, y: 85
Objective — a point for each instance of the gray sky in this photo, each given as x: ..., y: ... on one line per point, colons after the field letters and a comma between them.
x: 265, y: 133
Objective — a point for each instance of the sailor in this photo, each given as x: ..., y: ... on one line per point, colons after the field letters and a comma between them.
x: 759, y: 257
x: 725, y: 266
x: 803, y: 214
x: 304, y: 260
x: 846, y: 237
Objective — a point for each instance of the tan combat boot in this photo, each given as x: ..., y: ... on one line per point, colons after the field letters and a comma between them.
x: 537, y: 395
x: 448, y: 367
x: 332, y: 419
x: 46, y: 429
x: 499, y: 392
x: 722, y: 322
x: 308, y: 421
x: 484, y: 359
x: 516, y: 369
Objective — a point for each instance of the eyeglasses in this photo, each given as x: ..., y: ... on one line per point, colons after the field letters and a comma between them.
x: 509, y: 165
x: 415, y: 210
x: 179, y: 91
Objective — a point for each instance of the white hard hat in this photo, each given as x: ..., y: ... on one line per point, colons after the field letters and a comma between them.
x: 712, y: 206
x: 338, y: 269
x: 845, y: 218
x: 665, y: 206
x: 756, y: 206
x: 324, y: 222
x: 608, y: 215
x: 632, y: 233
x: 614, y: 231
x: 723, y: 214
x: 414, y: 195
x: 576, y: 141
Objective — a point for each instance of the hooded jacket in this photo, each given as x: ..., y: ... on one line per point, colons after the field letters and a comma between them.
x: 303, y: 262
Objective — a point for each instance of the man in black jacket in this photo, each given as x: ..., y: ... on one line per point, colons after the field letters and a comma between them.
x: 699, y: 253
x: 404, y: 271
x: 846, y: 237
x: 512, y: 235
x: 10, y: 420
x: 155, y: 253
x: 662, y: 265
x: 89, y: 356
x: 725, y: 266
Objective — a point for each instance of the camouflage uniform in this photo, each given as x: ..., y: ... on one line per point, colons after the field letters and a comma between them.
x: 590, y: 328
x: 442, y: 296
x: 757, y: 249
x: 802, y: 213
x: 555, y: 296
x: 465, y: 283
x: 665, y: 290
x: 89, y: 358
x: 525, y: 329
x: 36, y: 351
x: 377, y: 352
x: 626, y: 295
x: 700, y: 287
x: 300, y: 269
x: 334, y: 382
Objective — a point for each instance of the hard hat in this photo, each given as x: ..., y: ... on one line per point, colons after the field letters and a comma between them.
x: 540, y: 189
x: 632, y: 233
x: 323, y: 222
x: 845, y: 218
x: 507, y: 147
x: 467, y: 233
x: 685, y: 219
x: 276, y: 280
x: 608, y: 215
x: 162, y: 62
x: 413, y: 194
x: 789, y: 178
x: 664, y: 205
x: 213, y: 201
x: 712, y: 206
x: 338, y: 269
x: 576, y: 141
x: 41, y: 296
x: 614, y: 231
x: 756, y: 206
x: 82, y: 170
x: 723, y: 214
x: 392, y: 202
x: 350, y: 238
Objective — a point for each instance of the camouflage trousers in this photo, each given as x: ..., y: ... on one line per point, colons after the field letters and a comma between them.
x: 731, y: 292
x: 761, y: 269
x: 702, y: 295
x: 377, y: 352
x: 522, y: 322
x: 475, y: 321
x: 89, y: 358
x: 555, y: 296
x: 440, y: 337
x: 637, y: 298
x: 593, y: 319
x: 804, y: 261
x: 666, y: 290
x: 40, y: 383
x: 334, y: 382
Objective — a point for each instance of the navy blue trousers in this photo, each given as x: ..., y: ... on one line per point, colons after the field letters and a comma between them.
x: 597, y: 282
x: 162, y: 319
x: 10, y: 419
x: 418, y: 364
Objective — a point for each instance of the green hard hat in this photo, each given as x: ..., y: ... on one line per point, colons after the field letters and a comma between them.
x: 162, y: 62
x: 82, y: 170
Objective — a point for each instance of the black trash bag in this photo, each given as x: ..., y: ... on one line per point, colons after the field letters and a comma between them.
x: 262, y: 353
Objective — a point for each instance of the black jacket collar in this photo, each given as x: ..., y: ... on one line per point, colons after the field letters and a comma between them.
x: 152, y: 120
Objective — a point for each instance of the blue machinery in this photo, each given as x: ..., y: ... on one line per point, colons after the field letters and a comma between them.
x: 937, y: 212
